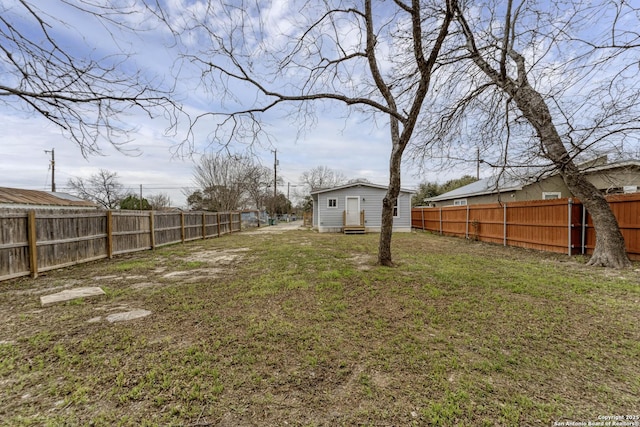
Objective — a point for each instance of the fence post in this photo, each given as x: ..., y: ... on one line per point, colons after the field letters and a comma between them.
x: 466, y: 227
x: 204, y: 225
x: 230, y: 222
x: 33, y: 247
x: 109, y: 234
x: 569, y: 206
x: 504, y: 225
x: 182, y: 233
x: 152, y: 231
x: 584, y: 230
x: 218, y: 216
x: 422, y: 211
x: 441, y: 221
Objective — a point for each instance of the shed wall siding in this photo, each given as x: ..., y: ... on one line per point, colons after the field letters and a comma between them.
x: 330, y: 219
x: 315, y: 211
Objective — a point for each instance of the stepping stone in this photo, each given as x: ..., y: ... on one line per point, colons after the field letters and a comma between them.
x: 111, y: 277
x: 128, y: 315
x: 70, y: 294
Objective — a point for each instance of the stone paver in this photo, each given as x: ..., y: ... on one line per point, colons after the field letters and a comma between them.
x: 127, y: 315
x: 70, y: 294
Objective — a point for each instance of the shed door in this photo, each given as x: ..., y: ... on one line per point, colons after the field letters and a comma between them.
x: 353, y: 211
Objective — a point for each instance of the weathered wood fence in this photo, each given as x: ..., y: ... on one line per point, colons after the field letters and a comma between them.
x: 561, y: 225
x: 36, y: 241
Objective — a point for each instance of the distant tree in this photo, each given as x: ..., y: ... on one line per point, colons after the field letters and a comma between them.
x: 215, y: 198
x: 452, y: 184
x: 357, y: 180
x: 224, y: 181
x: 306, y: 204
x: 425, y: 191
x: 132, y: 202
x: 278, y: 205
x: 195, y: 201
x: 102, y: 188
x: 433, y: 189
x: 159, y: 201
x: 258, y: 181
x: 322, y: 177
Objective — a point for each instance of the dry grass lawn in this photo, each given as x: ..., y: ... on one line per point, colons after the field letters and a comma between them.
x: 304, y: 329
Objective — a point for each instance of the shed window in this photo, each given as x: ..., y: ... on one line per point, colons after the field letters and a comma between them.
x: 332, y: 203
x: 396, y: 211
x: 460, y: 202
x: 551, y: 195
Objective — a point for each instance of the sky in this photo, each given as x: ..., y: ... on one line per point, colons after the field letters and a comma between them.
x: 27, y: 141
x: 351, y: 146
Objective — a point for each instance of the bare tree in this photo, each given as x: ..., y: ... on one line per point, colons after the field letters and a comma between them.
x: 102, y: 188
x: 160, y: 201
x: 84, y: 96
x: 258, y: 181
x: 324, y: 52
x: 322, y: 177
x: 535, y: 95
x: 223, y: 181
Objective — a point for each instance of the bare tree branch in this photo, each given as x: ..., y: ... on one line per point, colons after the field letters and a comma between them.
x: 87, y: 98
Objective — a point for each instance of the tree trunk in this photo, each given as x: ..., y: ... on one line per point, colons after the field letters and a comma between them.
x: 610, y: 248
x: 384, y: 246
x: 389, y: 201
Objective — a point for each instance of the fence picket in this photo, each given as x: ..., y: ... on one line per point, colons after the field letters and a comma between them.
x: 561, y: 225
x: 37, y: 241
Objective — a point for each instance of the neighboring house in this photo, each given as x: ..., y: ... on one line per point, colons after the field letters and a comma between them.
x: 18, y: 198
x: 610, y: 178
x: 357, y: 207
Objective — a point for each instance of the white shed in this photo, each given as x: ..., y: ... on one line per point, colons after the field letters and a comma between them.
x: 357, y: 207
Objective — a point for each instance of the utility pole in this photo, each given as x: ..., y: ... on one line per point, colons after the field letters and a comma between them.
x: 53, y: 169
x: 275, y: 175
x: 289, y: 200
x: 478, y: 163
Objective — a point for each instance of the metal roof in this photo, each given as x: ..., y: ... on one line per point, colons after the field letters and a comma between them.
x: 492, y: 185
x: 357, y: 184
x: 484, y: 186
x: 10, y: 197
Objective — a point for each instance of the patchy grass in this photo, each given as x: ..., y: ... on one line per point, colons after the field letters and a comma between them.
x: 305, y: 329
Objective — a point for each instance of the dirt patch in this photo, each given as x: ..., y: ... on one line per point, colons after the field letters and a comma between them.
x: 277, y: 229
x: 363, y: 262
x: 217, y: 257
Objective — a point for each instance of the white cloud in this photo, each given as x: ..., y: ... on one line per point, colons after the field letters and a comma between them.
x: 352, y: 146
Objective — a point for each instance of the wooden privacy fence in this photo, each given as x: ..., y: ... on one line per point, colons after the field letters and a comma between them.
x: 560, y: 225
x: 33, y: 242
